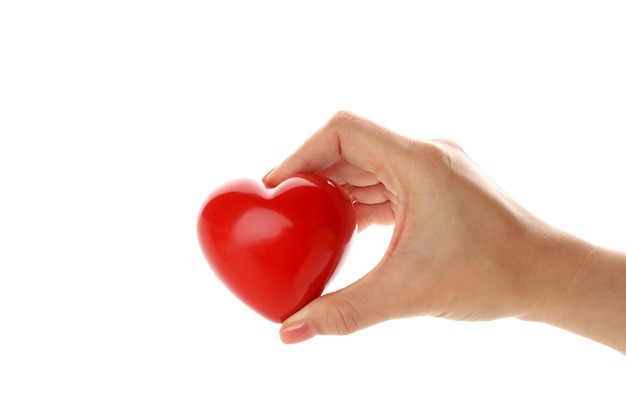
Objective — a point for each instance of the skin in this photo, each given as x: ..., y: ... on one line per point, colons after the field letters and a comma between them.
x: 461, y: 248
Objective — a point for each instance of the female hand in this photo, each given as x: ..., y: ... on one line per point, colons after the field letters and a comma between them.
x: 461, y: 247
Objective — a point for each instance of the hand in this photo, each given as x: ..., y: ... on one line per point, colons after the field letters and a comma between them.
x: 461, y: 248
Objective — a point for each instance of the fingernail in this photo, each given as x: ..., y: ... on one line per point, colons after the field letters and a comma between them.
x: 296, y: 333
x: 267, y: 175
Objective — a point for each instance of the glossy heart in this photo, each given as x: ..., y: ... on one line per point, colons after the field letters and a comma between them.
x: 276, y: 249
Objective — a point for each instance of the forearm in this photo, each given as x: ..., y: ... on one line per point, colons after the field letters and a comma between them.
x: 587, y: 295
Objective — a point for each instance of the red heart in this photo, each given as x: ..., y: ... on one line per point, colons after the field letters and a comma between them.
x: 276, y: 249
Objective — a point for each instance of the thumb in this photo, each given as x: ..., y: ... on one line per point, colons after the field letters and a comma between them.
x: 360, y: 305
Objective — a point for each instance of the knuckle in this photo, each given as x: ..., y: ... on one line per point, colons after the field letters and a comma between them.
x: 343, y: 118
x: 343, y: 318
x: 443, y: 154
x: 343, y: 115
x: 447, y: 143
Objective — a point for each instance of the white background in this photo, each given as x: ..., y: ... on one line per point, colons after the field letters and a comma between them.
x: 117, y: 119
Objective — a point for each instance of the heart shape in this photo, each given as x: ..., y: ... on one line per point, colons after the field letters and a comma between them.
x: 276, y: 249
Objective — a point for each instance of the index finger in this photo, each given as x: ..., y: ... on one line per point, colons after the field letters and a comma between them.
x: 359, y: 141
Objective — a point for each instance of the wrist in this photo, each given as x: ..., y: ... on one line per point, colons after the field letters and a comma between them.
x: 581, y: 288
x: 557, y: 261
